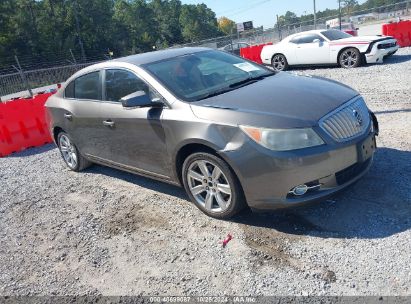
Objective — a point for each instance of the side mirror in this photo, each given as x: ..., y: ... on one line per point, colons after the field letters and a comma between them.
x: 317, y: 41
x: 357, y: 28
x: 139, y: 99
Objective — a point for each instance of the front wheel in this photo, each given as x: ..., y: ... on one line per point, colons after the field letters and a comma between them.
x: 73, y: 159
x: 279, y: 62
x: 212, y: 186
x: 349, y: 58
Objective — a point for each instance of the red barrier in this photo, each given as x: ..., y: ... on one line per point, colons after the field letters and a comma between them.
x: 23, y: 124
x: 400, y: 31
x: 253, y: 53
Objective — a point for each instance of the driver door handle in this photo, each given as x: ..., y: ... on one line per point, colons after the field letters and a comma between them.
x: 68, y: 116
x: 108, y: 123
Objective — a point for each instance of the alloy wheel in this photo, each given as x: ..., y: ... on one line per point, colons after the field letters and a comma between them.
x: 278, y: 62
x: 209, y: 186
x: 349, y: 58
x: 68, y: 150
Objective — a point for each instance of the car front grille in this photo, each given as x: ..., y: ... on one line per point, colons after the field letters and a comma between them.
x: 347, y: 121
x: 351, y: 172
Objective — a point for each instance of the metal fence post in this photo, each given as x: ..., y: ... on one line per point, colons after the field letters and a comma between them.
x: 72, y: 57
x: 23, y: 76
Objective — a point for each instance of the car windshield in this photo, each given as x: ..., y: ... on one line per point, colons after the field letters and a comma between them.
x: 205, y: 74
x: 335, y: 35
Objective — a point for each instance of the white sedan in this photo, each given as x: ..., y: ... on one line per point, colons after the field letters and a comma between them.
x: 328, y: 47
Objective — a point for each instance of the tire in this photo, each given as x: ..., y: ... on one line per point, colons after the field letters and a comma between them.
x: 349, y: 58
x: 216, y: 192
x: 71, y: 156
x: 279, y: 63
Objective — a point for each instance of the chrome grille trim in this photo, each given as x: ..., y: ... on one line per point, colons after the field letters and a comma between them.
x: 347, y: 121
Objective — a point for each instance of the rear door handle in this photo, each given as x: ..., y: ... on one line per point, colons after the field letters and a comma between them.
x: 108, y: 123
x: 68, y: 116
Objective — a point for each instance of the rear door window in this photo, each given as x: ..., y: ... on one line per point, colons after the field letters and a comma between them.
x: 88, y: 86
x: 69, y: 91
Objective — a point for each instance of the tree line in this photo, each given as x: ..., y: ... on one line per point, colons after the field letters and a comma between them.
x: 121, y: 27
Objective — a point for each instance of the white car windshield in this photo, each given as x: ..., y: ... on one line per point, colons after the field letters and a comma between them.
x: 205, y: 74
x: 335, y: 35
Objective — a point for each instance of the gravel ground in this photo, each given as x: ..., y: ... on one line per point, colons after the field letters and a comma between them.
x: 108, y: 232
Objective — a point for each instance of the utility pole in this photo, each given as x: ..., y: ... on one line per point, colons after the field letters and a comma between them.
x: 279, y: 29
x: 75, y: 7
x: 22, y: 75
x: 315, y: 17
x: 339, y: 13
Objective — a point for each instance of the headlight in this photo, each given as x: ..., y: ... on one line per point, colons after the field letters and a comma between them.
x: 283, y: 139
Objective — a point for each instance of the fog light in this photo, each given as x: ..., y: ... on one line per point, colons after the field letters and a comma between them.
x: 300, y: 190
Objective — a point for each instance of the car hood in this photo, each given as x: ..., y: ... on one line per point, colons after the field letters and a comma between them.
x: 285, y: 100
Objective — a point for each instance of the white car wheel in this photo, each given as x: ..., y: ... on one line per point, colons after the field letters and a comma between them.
x: 279, y: 62
x: 350, y: 58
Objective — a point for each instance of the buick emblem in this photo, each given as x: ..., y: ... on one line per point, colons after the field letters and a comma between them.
x: 357, y: 117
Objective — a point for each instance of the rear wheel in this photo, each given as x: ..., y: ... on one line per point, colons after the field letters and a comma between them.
x: 279, y: 62
x: 73, y: 159
x: 349, y: 58
x: 212, y: 186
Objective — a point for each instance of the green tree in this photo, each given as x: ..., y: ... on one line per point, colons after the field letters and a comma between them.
x: 135, y: 25
x: 7, y: 36
x: 198, y: 22
x: 167, y: 14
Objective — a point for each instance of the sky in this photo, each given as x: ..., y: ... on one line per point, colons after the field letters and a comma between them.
x: 263, y: 12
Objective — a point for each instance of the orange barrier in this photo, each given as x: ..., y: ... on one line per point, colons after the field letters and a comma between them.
x: 400, y: 31
x: 23, y: 124
x: 253, y: 53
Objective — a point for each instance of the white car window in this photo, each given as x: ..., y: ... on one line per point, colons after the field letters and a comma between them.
x: 309, y: 38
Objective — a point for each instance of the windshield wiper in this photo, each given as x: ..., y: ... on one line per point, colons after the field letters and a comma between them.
x: 235, y: 85
x: 249, y: 80
x: 215, y: 93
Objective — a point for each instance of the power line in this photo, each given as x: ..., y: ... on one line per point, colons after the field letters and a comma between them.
x: 244, y: 9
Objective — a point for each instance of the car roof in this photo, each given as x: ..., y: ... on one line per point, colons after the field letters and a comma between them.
x: 140, y: 59
x: 307, y: 32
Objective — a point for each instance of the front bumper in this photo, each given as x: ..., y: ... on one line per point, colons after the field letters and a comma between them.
x: 267, y: 176
x: 377, y: 55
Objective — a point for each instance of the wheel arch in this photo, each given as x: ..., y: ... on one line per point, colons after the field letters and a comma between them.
x: 200, y: 146
x: 191, y: 147
x: 188, y: 148
x: 56, y: 131
x: 278, y: 53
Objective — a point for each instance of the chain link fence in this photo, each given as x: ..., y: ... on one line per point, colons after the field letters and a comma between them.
x: 20, y: 76
x: 13, y: 83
